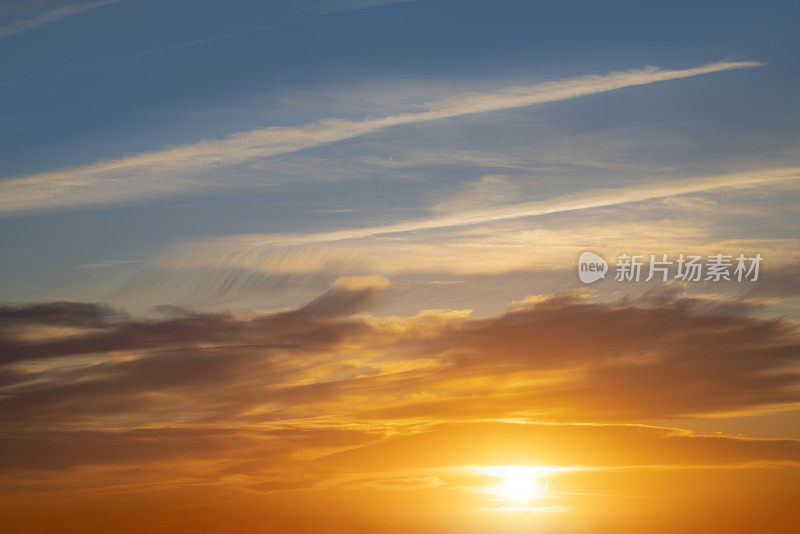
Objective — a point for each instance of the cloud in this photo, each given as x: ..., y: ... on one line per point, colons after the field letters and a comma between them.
x: 345, y: 297
x: 324, y: 403
x: 494, y: 443
x: 488, y: 190
x: 185, y: 169
x: 67, y: 314
x: 649, y: 359
x: 438, y: 448
x: 596, y: 198
x: 488, y: 240
x: 51, y: 16
x: 30, y: 450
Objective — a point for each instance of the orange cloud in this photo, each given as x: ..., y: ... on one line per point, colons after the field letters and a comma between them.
x: 327, y: 407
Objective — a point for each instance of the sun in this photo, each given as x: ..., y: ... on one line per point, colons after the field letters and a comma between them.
x: 517, y: 483
x: 520, y: 486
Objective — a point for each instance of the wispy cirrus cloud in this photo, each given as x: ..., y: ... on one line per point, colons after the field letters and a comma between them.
x: 487, y: 241
x: 51, y: 16
x: 184, y: 169
x: 584, y: 200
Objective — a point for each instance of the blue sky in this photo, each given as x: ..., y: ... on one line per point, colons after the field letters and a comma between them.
x: 97, y: 81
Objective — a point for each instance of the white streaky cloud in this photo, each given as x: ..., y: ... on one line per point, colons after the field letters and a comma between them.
x: 283, y: 269
x: 491, y: 189
x: 177, y: 170
x: 51, y: 16
x: 597, y: 198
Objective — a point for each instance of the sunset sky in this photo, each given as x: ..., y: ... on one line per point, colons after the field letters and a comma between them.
x: 313, y: 266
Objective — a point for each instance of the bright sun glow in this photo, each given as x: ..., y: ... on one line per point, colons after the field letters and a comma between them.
x: 519, y: 487
x: 520, y: 484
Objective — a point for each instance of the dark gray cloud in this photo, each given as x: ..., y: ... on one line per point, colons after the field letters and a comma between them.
x: 181, y: 329
x: 657, y: 357
x: 64, y: 313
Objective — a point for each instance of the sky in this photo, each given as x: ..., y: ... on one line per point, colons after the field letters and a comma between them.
x: 314, y: 265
